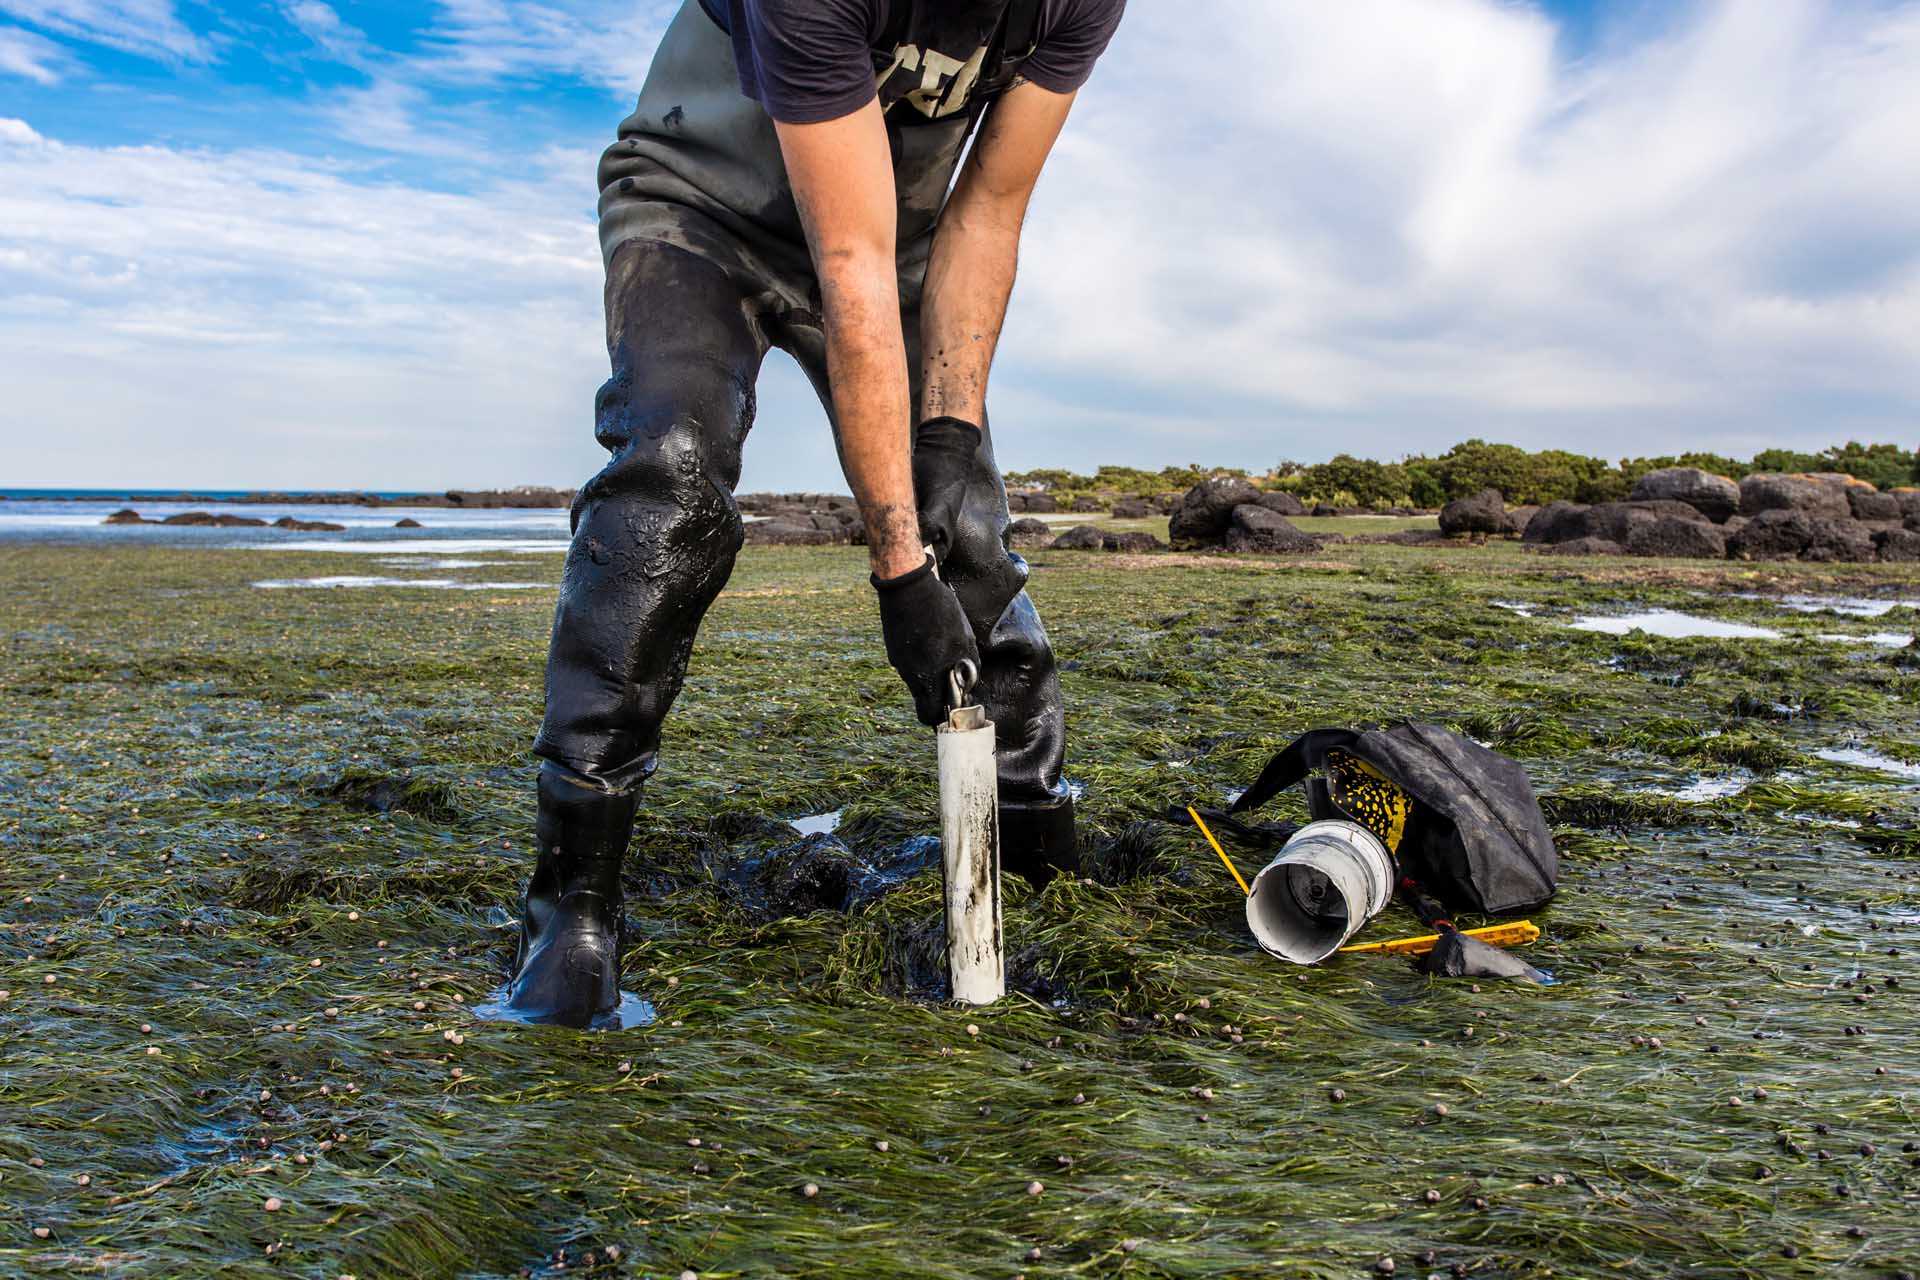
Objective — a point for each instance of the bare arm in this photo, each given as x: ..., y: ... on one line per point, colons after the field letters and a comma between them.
x: 977, y: 246
x: 842, y: 176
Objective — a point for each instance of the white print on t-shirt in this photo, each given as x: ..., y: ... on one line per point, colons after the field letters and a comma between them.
x: 944, y: 82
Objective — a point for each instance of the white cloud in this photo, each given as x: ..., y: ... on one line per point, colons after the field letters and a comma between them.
x: 1378, y: 226
x: 29, y: 56
x: 148, y: 27
x: 323, y: 25
x: 18, y: 133
x: 607, y: 43
x: 1410, y: 220
x: 265, y: 318
x: 385, y: 115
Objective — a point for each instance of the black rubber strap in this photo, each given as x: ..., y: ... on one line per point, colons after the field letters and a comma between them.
x: 1293, y: 763
x: 1023, y: 29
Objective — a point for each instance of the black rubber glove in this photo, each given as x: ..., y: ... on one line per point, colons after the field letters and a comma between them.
x: 943, y: 453
x: 927, y: 635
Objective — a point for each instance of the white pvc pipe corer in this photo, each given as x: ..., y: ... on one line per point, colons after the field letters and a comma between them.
x: 970, y: 856
x: 1330, y: 879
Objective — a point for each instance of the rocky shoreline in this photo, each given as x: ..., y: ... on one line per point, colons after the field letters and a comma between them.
x: 1686, y: 513
x: 1677, y: 512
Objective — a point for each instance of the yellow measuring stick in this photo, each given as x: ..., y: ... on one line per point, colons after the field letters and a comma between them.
x: 1238, y: 878
x: 1515, y: 934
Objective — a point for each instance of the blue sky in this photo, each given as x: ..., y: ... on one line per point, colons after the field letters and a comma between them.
x: 292, y: 242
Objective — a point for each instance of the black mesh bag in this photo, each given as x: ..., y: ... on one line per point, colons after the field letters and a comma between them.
x: 1476, y: 839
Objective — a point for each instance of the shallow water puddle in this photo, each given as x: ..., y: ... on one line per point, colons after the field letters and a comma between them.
x: 420, y: 562
x: 818, y: 824
x: 1851, y: 606
x: 1668, y: 624
x: 417, y: 546
x: 353, y: 581
x: 631, y: 1012
x: 1705, y: 789
x: 1861, y: 758
x: 1884, y: 639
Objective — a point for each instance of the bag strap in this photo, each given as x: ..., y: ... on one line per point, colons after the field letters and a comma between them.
x: 1294, y: 762
x: 1023, y: 30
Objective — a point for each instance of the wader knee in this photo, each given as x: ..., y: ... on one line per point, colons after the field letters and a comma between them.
x: 656, y: 531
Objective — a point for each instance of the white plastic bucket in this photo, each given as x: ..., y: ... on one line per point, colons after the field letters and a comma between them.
x: 1328, y: 881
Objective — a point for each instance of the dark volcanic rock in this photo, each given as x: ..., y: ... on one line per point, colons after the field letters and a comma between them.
x: 1558, y: 522
x: 1016, y: 502
x: 1255, y: 528
x: 1283, y: 502
x: 1778, y: 533
x: 1714, y: 497
x: 127, y: 515
x: 1615, y: 521
x: 527, y: 496
x: 1813, y: 495
x: 1898, y: 546
x: 1484, y: 512
x: 407, y: 523
x: 1846, y: 541
x: 1132, y: 509
x: 1671, y: 537
x: 1089, y: 506
x: 1323, y: 510
x: 1519, y: 518
x: 206, y: 519
x: 1082, y: 537
x: 308, y: 526
x: 787, y: 533
x: 1587, y: 547
x: 1040, y: 504
x: 1029, y: 531
x: 1870, y: 504
x: 1909, y: 500
x: 1207, y: 510
x: 1136, y: 541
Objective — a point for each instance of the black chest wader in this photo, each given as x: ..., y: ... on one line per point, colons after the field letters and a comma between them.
x: 707, y: 268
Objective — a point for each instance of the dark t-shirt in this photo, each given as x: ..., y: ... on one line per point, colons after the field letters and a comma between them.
x: 812, y: 60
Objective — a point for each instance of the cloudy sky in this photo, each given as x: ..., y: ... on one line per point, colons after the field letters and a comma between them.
x: 297, y: 243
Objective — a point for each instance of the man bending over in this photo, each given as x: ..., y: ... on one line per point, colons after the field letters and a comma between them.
x: 788, y: 180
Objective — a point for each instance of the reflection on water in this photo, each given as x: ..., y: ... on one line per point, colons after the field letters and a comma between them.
x: 1851, y: 606
x: 1885, y: 639
x: 1704, y: 789
x: 630, y: 1013
x: 819, y: 824
x: 1671, y: 625
x: 360, y: 581
x: 1863, y: 759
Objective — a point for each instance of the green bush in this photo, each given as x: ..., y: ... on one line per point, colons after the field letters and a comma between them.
x: 1523, y: 477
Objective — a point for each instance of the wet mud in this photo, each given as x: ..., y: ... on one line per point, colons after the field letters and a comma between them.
x: 820, y: 873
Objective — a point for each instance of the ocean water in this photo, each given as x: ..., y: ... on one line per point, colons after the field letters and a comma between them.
x: 79, y: 518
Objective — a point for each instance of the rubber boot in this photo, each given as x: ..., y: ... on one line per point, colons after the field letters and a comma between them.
x: 1038, y: 841
x: 567, y: 971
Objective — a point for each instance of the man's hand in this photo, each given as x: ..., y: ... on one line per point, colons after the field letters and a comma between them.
x: 943, y: 456
x: 842, y: 176
x: 927, y: 636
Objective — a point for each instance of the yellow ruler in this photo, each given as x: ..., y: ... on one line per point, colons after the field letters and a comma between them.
x: 1515, y: 934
